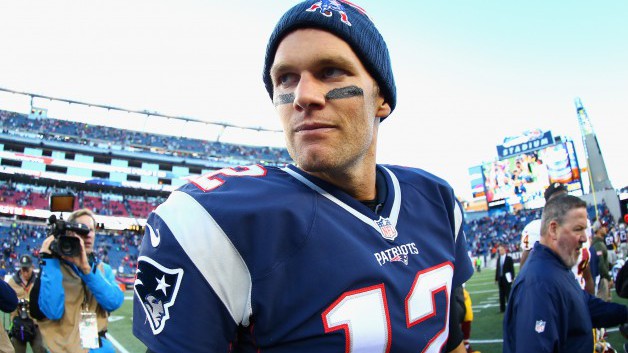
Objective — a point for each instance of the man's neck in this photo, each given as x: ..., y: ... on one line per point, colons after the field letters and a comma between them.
x: 360, y: 185
x: 24, y: 280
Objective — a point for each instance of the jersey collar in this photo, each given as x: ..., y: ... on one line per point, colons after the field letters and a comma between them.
x: 392, y: 201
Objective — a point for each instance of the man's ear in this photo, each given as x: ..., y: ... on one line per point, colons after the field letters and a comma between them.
x: 553, y: 230
x: 383, y: 109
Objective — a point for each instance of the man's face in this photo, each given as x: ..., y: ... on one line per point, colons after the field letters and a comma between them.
x: 88, y: 239
x: 570, y: 236
x: 502, y: 250
x: 328, y: 103
x: 27, y: 273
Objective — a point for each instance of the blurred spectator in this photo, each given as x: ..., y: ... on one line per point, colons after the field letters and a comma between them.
x: 8, y: 303
x: 600, y: 230
x: 24, y: 329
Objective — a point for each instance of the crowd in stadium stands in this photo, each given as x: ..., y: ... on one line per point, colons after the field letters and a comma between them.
x: 69, y: 131
x: 118, y: 248
x: 37, y: 197
x: 484, y: 235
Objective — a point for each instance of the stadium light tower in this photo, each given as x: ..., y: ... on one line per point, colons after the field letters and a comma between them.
x: 598, y: 177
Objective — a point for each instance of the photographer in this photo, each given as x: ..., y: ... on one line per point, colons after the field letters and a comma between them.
x: 8, y: 303
x: 24, y: 329
x: 76, y: 293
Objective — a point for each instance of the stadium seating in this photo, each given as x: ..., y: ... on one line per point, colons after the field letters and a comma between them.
x: 80, y: 133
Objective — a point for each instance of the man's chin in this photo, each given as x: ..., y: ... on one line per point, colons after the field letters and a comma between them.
x: 571, y: 262
x: 315, y: 164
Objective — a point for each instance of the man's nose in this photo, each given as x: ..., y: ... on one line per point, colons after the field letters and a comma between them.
x: 309, y: 93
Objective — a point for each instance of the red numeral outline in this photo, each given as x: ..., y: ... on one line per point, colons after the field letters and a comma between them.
x: 211, y: 181
x: 427, y: 283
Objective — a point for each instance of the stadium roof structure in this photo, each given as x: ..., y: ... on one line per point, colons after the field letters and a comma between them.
x: 102, y: 114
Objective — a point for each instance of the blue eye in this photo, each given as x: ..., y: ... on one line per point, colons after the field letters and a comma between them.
x: 286, y: 79
x: 332, y: 72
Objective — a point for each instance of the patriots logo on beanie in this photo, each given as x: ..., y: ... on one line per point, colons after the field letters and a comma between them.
x: 354, y: 27
x: 327, y: 6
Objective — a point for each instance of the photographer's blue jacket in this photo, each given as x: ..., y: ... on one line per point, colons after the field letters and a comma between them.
x: 64, y: 292
x: 549, y: 312
x: 52, y: 295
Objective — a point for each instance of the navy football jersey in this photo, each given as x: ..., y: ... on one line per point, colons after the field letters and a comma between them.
x: 609, y: 239
x: 256, y: 259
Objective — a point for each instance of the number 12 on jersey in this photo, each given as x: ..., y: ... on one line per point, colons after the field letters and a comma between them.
x: 363, y: 313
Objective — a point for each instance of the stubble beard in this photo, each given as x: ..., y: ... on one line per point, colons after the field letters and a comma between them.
x: 571, y: 259
x: 326, y: 160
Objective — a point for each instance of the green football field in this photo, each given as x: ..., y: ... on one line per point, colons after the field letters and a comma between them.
x: 486, y: 330
x: 120, y: 328
x: 486, y: 334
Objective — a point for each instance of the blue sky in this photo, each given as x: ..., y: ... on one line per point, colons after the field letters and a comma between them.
x: 468, y: 73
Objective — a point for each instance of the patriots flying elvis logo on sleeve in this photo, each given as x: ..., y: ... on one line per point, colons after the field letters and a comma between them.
x: 156, y: 287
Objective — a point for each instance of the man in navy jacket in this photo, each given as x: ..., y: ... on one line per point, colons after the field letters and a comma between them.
x: 548, y: 311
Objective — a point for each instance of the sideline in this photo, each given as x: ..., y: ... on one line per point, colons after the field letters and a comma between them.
x: 472, y: 341
x: 484, y: 291
x: 116, y: 344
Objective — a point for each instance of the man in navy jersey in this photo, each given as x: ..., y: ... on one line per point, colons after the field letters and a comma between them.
x: 335, y: 253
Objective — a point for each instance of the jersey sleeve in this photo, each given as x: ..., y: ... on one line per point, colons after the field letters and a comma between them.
x: 193, y: 288
x: 463, y: 267
x: 530, y: 235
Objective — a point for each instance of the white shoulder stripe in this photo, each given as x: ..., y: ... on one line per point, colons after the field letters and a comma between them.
x: 211, y: 251
x: 457, y: 220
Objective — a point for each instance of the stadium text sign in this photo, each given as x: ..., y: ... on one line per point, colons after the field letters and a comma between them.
x: 510, y: 149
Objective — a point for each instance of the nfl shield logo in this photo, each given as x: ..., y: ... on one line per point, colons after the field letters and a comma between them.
x: 386, y: 229
x: 540, y: 326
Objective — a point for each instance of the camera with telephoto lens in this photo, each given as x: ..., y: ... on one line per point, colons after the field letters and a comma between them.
x: 22, y: 308
x: 64, y: 244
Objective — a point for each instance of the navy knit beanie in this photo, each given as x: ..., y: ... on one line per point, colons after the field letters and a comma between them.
x: 347, y: 21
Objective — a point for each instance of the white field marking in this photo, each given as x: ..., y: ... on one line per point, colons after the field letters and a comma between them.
x: 488, y: 300
x: 483, y: 291
x: 486, y: 341
x: 116, y: 344
x: 485, y: 306
x: 480, y: 284
x: 501, y: 340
